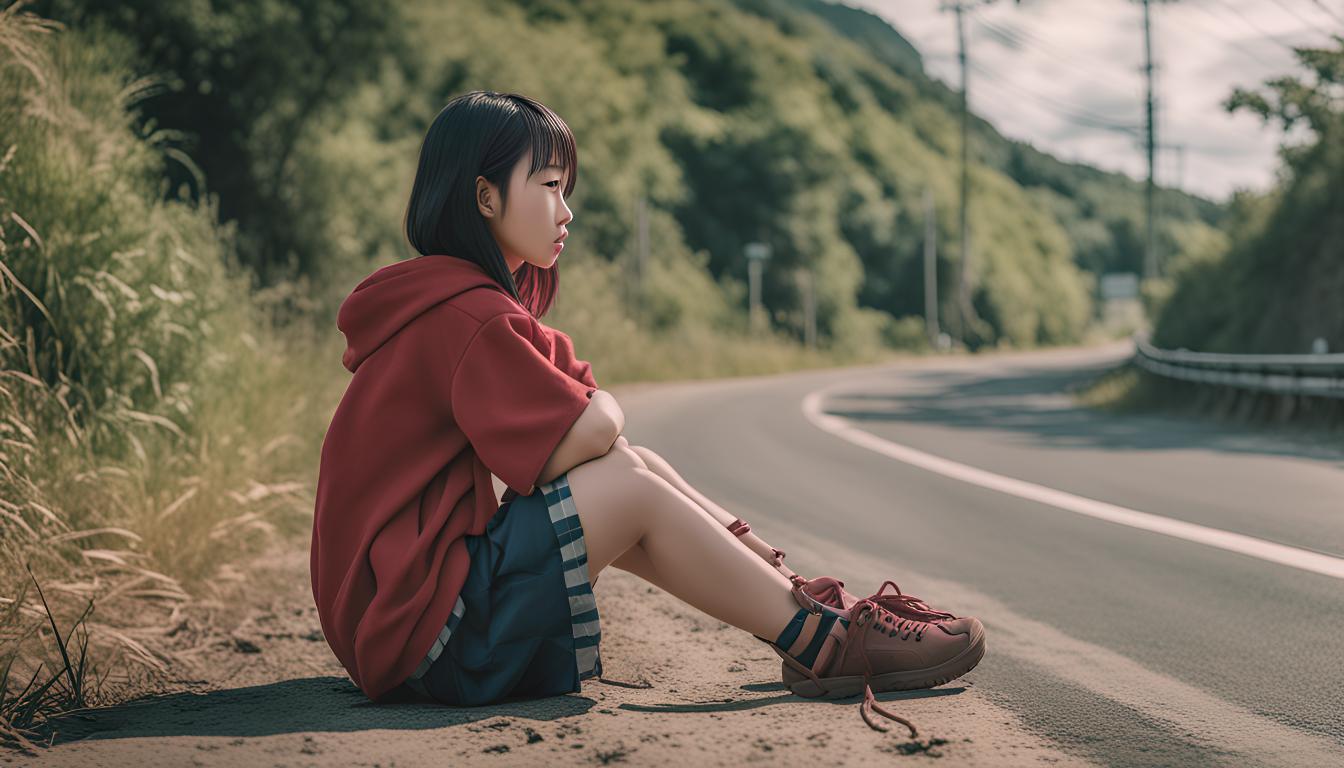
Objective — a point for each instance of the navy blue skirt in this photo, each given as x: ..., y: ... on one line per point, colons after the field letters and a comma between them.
x: 525, y: 625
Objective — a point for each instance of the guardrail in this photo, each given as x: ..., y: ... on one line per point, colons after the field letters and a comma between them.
x: 1316, y: 375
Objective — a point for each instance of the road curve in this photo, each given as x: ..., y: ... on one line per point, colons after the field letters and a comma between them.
x: 1123, y: 645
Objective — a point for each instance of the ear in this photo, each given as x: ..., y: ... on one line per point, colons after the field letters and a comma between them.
x: 485, y: 198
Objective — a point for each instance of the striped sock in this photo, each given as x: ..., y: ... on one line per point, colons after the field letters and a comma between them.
x: 803, y: 637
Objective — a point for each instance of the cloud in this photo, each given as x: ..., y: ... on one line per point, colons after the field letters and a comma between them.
x: 1056, y: 73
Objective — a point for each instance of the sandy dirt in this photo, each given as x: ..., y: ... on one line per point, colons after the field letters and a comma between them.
x: 270, y: 692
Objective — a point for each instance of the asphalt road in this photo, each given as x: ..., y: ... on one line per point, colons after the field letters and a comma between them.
x: 1123, y: 645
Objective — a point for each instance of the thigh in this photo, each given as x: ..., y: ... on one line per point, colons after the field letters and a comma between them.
x: 635, y: 560
x: 611, y: 494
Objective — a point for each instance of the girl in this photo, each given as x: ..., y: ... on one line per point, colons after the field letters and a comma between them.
x: 423, y: 581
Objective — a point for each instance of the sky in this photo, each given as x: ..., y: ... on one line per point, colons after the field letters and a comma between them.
x: 1067, y: 77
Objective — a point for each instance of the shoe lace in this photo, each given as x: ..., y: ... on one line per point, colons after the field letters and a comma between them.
x: 864, y: 612
x: 908, y: 603
x: 861, y: 616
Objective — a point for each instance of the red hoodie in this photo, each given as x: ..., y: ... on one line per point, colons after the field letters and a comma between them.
x: 453, y: 380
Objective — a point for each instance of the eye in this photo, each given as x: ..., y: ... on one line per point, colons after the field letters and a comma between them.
x: 549, y: 183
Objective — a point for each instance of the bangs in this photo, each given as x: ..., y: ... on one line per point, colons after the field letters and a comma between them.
x: 552, y: 143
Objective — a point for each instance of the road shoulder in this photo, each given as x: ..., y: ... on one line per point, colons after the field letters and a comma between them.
x: 270, y: 692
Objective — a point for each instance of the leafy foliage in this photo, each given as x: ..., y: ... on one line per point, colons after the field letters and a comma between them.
x: 1277, y: 286
x: 806, y: 125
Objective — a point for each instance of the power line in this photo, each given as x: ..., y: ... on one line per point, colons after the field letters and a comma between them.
x: 1008, y: 102
x: 1289, y: 10
x: 1246, y: 19
x: 1075, y: 113
x: 1227, y: 40
x: 1021, y: 38
x: 1326, y: 10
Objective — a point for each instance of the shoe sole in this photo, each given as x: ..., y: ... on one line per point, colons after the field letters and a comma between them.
x: 850, y: 685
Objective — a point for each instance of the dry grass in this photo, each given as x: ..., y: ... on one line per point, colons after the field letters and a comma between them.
x: 152, y: 428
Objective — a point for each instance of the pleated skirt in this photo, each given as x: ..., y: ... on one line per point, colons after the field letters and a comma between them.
x: 525, y: 625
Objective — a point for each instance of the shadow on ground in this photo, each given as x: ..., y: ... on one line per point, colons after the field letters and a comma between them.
x: 737, y: 705
x: 1038, y: 402
x: 334, y: 704
x: 291, y: 706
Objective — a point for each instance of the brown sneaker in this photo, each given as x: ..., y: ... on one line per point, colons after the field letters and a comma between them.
x: 872, y: 649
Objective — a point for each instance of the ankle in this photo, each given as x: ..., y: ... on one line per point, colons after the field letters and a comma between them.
x: 805, y: 634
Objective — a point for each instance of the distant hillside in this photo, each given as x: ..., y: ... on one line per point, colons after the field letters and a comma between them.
x: 1087, y: 196
x: 807, y: 126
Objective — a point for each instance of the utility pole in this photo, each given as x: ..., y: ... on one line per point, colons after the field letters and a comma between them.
x: 805, y: 284
x: 1178, y: 163
x: 1150, y: 245
x: 641, y: 252
x: 963, y: 278
x: 965, y: 312
x: 930, y: 270
x: 1180, y: 166
x: 756, y: 253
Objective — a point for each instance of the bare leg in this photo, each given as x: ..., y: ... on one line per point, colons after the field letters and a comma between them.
x: 621, y: 504
x: 635, y: 560
x: 659, y: 466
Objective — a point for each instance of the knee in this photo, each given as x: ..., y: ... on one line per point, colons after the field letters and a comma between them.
x: 621, y: 456
x: 619, y: 475
x: 651, y: 460
x: 631, y: 454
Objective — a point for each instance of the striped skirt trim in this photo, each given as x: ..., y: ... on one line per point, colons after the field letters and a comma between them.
x: 439, y: 643
x: 574, y: 556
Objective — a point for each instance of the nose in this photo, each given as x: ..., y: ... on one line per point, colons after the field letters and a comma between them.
x: 569, y: 215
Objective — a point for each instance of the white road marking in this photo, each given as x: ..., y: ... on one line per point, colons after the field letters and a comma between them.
x: 1295, y: 557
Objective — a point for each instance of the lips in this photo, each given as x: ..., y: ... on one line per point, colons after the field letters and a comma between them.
x: 561, y: 238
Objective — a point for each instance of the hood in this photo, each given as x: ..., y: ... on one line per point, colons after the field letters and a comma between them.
x: 396, y: 294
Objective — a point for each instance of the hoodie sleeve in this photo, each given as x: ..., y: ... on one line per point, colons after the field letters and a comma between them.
x: 513, y: 404
x: 565, y: 359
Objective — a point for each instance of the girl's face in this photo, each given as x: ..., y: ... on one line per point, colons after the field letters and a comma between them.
x: 533, y: 224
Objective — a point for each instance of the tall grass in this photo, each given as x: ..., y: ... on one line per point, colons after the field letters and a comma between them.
x: 151, y: 430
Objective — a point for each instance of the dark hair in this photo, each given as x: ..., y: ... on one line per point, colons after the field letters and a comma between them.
x: 484, y: 133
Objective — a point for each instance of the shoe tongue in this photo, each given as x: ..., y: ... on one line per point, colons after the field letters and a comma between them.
x: 824, y: 588
x: 829, y: 592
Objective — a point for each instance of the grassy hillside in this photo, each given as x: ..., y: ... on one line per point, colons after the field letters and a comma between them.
x: 809, y: 126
